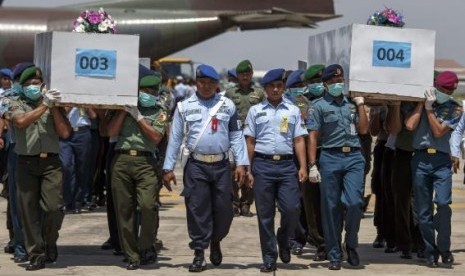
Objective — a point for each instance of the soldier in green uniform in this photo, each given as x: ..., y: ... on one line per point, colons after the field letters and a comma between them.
x: 38, y: 175
x: 244, y: 95
x: 134, y: 181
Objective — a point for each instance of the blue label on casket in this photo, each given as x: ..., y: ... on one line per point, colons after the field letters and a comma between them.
x: 95, y: 63
x: 392, y: 54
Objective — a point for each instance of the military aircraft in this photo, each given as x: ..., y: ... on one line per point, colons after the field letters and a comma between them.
x: 164, y: 26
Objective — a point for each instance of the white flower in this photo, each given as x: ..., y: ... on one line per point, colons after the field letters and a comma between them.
x: 80, y: 19
x: 79, y: 28
x: 103, y: 26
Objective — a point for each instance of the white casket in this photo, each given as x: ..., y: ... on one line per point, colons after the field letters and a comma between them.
x: 90, y: 68
x: 380, y: 63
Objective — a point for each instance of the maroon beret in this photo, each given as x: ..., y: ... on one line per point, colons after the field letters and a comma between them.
x: 447, y: 80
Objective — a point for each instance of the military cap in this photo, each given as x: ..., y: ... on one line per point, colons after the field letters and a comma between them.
x: 294, y: 78
x: 331, y: 71
x: 447, y: 79
x: 19, y: 68
x: 5, y: 72
x: 144, y: 71
x: 313, y: 72
x: 232, y: 73
x: 273, y: 75
x: 147, y: 77
x: 30, y: 73
x: 206, y: 71
x: 244, y: 66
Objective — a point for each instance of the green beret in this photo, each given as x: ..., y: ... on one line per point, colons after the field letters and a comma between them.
x: 149, y: 81
x: 30, y: 73
x: 244, y: 66
x: 314, y: 71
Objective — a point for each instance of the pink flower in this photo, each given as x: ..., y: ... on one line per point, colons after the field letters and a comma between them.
x: 94, y: 18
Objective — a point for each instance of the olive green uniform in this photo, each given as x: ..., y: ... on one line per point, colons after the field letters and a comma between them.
x: 243, y: 99
x: 135, y: 186
x: 38, y: 180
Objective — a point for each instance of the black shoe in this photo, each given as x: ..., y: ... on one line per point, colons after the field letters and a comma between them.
x: 334, y: 265
x: 107, y: 245
x: 9, y: 248
x: 432, y: 262
x: 36, y: 265
x: 198, y: 264
x: 51, y: 253
x: 447, y: 258
x: 390, y: 250
x: 405, y: 254
x: 148, y: 258
x: 117, y: 252
x: 320, y: 255
x: 268, y: 267
x: 366, y: 201
x: 297, y: 250
x: 158, y: 244
x: 216, y: 257
x: 379, y: 242
x: 237, y: 212
x: 421, y: 254
x: 245, y: 211
x: 352, y: 256
x: 285, y: 255
x: 20, y: 259
x: 132, y: 266
x: 77, y: 211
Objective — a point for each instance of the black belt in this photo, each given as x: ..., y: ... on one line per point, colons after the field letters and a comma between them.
x: 429, y: 150
x: 40, y: 155
x: 275, y: 157
x: 134, y: 152
x: 81, y: 128
x: 342, y: 149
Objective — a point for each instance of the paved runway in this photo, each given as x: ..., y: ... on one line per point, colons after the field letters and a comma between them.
x: 82, y: 235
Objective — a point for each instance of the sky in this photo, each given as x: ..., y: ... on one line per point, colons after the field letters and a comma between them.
x: 284, y: 47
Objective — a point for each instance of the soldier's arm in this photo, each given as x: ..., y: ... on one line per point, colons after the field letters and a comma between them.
x: 312, y: 146
x: 437, y: 128
x: 62, y: 126
x: 250, y: 141
x: 363, y: 120
x: 148, y: 131
x: 456, y: 137
x: 25, y: 119
x: 411, y: 121
x: 393, y: 120
x: 91, y: 113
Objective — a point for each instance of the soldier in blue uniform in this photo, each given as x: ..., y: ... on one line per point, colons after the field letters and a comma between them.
x: 335, y: 122
x: 431, y: 165
x: 213, y: 127
x: 274, y: 129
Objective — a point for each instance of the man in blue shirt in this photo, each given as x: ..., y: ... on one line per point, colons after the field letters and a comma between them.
x: 335, y: 122
x: 212, y: 128
x: 274, y: 129
x: 431, y: 165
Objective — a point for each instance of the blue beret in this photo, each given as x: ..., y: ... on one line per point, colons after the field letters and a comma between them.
x: 5, y: 72
x: 294, y: 78
x: 144, y: 71
x: 206, y: 71
x: 331, y: 71
x: 19, y: 68
x: 273, y: 75
x: 232, y: 73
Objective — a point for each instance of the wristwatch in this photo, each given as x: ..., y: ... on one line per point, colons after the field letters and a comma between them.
x: 166, y: 171
x: 311, y: 164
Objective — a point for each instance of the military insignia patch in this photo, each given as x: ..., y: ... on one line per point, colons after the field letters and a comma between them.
x: 162, y: 117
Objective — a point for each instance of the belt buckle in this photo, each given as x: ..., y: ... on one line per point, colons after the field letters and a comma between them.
x: 133, y: 152
x: 346, y: 149
x: 210, y: 158
x: 276, y: 157
x: 75, y: 129
x: 431, y: 150
x: 43, y: 155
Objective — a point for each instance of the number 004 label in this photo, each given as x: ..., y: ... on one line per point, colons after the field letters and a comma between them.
x: 392, y: 54
x: 95, y: 63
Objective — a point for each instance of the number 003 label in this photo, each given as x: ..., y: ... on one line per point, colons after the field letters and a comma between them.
x: 95, y: 63
x: 392, y: 54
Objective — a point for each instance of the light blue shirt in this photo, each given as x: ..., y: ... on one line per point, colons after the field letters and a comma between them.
x: 456, y: 137
x: 78, y: 117
x: 448, y: 114
x: 335, y: 122
x: 195, y: 112
x: 264, y: 123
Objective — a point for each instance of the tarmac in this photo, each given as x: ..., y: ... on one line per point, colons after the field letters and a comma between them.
x: 82, y: 235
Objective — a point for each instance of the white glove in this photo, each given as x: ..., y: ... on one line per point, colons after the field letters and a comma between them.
x: 430, y: 96
x: 358, y: 100
x: 134, y: 112
x: 51, y: 96
x: 314, y: 175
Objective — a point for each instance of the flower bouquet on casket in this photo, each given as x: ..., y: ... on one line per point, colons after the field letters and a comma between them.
x: 387, y: 17
x: 94, y: 22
